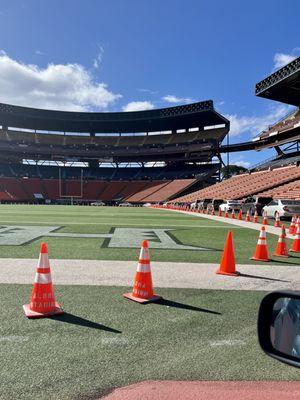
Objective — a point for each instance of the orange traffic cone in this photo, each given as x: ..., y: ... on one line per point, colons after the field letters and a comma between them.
x: 232, y: 214
x: 226, y: 214
x: 277, y: 220
x: 292, y: 225
x: 281, y: 248
x: 265, y: 218
x: 142, y: 291
x: 212, y: 212
x: 261, y: 251
x: 220, y: 212
x: 255, y: 218
x: 247, y: 219
x: 296, y: 242
x: 240, y: 215
x: 227, y: 266
x: 42, y: 303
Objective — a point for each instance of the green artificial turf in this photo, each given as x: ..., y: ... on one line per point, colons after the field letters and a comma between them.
x: 189, y: 230
x: 106, y: 341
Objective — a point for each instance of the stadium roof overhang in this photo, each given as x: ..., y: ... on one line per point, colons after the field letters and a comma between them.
x: 283, y: 85
x: 201, y: 115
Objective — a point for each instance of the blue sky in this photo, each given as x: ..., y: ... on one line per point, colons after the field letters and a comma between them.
x: 124, y: 55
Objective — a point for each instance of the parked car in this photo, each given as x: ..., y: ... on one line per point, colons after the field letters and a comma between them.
x: 255, y: 204
x: 97, y: 203
x: 230, y: 205
x: 285, y: 208
x: 147, y: 205
x: 125, y: 204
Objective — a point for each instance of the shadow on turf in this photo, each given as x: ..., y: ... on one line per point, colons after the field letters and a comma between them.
x: 170, y: 303
x: 265, y: 278
x: 75, y: 320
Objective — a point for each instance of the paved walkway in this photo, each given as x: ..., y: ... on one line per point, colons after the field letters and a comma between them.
x: 165, y: 274
x: 236, y: 222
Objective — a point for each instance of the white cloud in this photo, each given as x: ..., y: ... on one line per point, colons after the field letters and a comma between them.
x: 281, y: 59
x: 39, y: 52
x: 146, y: 91
x: 58, y: 86
x: 98, y: 59
x: 138, y: 106
x: 256, y: 124
x: 170, y: 98
x: 240, y: 162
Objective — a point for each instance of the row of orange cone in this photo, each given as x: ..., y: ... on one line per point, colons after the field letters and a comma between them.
x: 43, y: 303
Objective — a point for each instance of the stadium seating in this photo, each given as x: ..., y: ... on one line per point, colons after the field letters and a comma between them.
x: 244, y: 185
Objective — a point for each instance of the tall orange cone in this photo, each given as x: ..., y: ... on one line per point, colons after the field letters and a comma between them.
x: 227, y: 266
x: 220, y: 212
x: 296, y: 242
x: 281, y: 248
x: 142, y: 291
x: 261, y: 251
x: 265, y: 218
x: 255, y: 218
x: 240, y: 215
x: 277, y: 220
x: 42, y: 303
x: 212, y: 212
x: 226, y: 213
x: 247, y: 219
x: 292, y: 225
x: 232, y: 214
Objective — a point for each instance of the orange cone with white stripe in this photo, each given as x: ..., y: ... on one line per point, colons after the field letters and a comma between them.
x: 42, y: 303
x: 265, y: 218
x: 261, y: 251
x: 220, y: 212
x: 212, y: 212
x: 247, y: 219
x: 232, y: 214
x: 292, y: 225
x: 277, y: 220
x: 142, y: 288
x: 296, y: 242
x: 227, y: 266
x: 240, y: 215
x: 226, y: 214
x: 255, y: 218
x: 281, y: 248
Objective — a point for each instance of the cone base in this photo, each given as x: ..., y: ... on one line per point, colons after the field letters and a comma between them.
x: 34, y: 314
x: 294, y: 251
x: 260, y: 259
x: 219, y: 272
x: 130, y: 296
x: 280, y: 255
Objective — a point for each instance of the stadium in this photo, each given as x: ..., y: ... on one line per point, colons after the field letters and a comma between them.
x: 103, y: 211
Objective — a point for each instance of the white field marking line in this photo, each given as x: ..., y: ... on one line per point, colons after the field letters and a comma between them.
x: 226, y: 342
x: 13, y: 338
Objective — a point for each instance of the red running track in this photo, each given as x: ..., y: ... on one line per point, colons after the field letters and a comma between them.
x: 204, y: 390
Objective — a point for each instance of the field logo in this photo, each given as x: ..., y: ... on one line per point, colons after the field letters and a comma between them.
x: 117, y: 238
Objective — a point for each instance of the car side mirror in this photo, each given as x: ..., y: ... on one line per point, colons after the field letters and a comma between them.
x: 279, y: 326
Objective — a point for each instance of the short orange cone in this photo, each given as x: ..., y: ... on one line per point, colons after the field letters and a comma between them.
x: 247, y: 219
x: 232, y: 214
x: 277, y: 220
x: 296, y: 242
x: 261, y: 251
x: 265, y: 218
x: 226, y: 214
x: 42, y: 303
x: 292, y: 225
x: 142, y: 291
x: 212, y: 212
x: 220, y: 212
x: 227, y: 266
x: 255, y: 218
x: 281, y: 248
x: 240, y: 215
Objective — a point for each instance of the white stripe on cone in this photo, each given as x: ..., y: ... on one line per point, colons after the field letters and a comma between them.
x: 43, y: 261
x: 42, y: 278
x: 143, y: 267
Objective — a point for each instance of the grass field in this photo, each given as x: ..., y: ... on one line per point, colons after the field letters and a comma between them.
x: 188, y: 230
x: 105, y: 341
x: 193, y: 334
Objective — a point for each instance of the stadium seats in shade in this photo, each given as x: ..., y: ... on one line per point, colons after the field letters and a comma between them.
x: 244, y: 185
